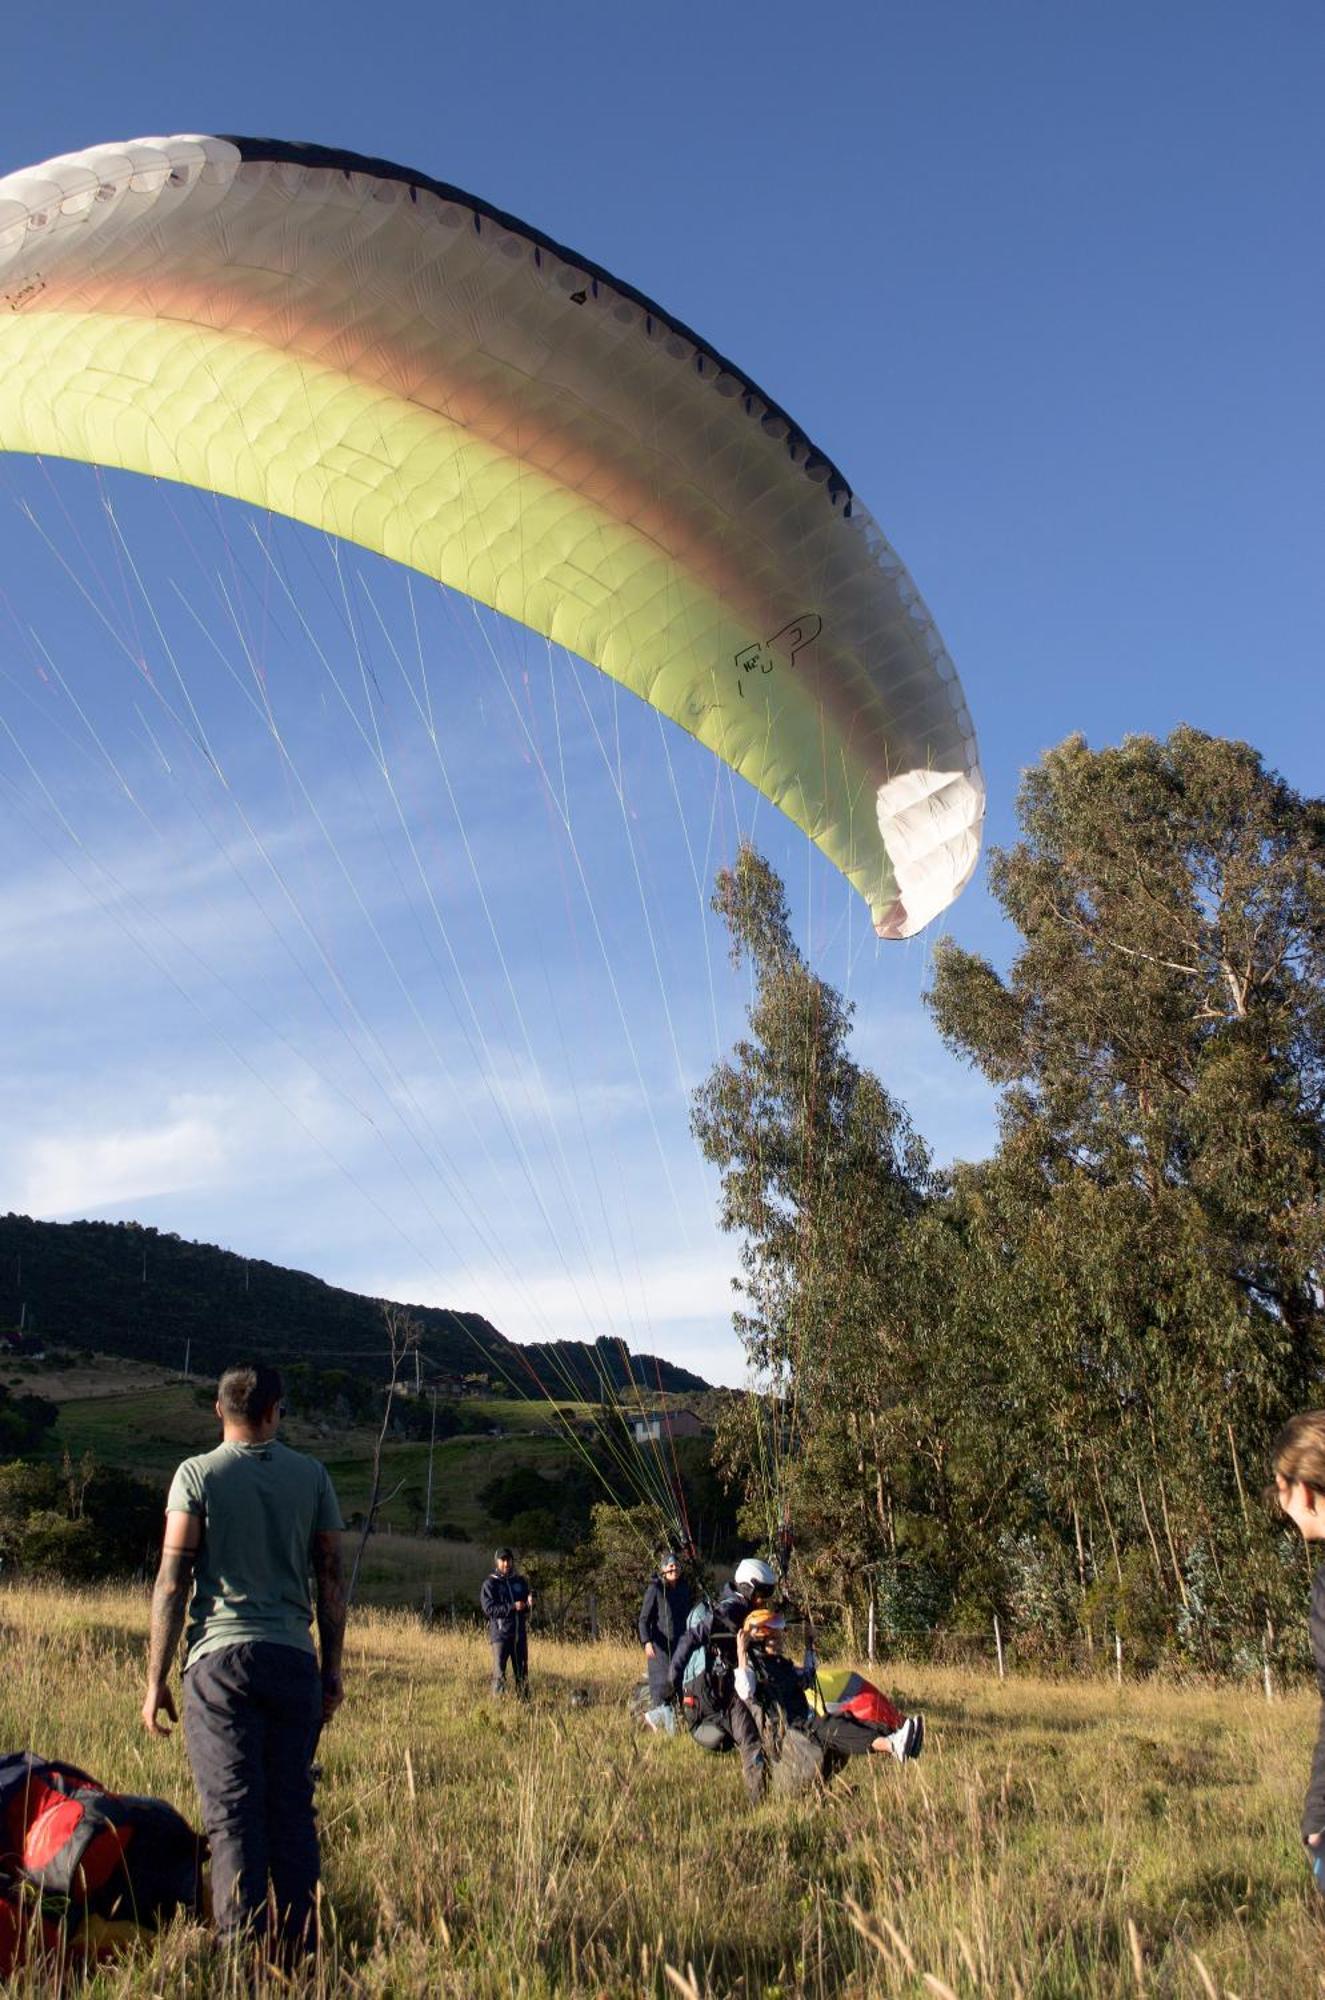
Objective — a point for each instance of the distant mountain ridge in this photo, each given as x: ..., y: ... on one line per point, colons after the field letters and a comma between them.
x: 123, y: 1288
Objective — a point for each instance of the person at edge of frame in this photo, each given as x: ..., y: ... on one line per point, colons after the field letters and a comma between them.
x: 246, y: 1523
x: 1299, y: 1483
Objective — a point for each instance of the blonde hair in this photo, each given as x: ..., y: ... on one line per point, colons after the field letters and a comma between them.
x: 1299, y: 1450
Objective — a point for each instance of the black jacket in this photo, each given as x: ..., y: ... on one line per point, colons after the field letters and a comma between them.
x: 663, y: 1613
x: 498, y: 1597
x: 778, y: 1680
x: 1313, y: 1812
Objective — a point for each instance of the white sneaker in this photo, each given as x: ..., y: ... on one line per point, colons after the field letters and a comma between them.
x: 909, y: 1740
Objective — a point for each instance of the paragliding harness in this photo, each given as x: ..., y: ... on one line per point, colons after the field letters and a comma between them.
x: 706, y: 1691
x: 792, y: 1757
x: 706, y: 1688
x: 83, y: 1867
x: 793, y: 1760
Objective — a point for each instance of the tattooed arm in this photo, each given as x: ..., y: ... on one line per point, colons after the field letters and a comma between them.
x: 330, y: 1581
x: 170, y: 1602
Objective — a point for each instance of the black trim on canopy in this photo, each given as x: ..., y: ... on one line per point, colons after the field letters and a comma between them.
x: 333, y: 160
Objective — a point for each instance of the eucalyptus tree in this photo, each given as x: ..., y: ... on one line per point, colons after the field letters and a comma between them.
x: 1157, y: 1201
x: 871, y: 1431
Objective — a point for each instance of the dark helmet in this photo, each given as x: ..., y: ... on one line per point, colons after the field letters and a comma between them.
x: 506, y: 1555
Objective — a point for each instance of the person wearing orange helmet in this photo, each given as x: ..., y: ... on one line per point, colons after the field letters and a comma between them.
x: 765, y: 1680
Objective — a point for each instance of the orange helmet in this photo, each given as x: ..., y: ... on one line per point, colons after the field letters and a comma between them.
x: 763, y: 1621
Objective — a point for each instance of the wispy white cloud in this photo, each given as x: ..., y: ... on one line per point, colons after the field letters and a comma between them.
x: 88, y: 1169
x: 108, y: 1145
x: 511, y: 1087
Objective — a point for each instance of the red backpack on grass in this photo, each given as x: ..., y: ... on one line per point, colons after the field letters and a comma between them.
x: 78, y: 1861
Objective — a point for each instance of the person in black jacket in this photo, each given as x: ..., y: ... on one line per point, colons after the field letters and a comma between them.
x: 765, y: 1679
x: 716, y: 1629
x: 662, y: 1620
x: 507, y: 1601
x: 1299, y: 1478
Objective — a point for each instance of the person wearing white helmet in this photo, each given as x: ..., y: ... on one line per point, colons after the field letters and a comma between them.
x: 716, y: 1629
x: 754, y: 1578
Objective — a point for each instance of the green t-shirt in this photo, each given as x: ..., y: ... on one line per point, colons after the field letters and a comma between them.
x: 260, y: 1507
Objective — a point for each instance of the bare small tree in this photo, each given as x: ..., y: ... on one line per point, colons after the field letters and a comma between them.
x: 403, y: 1338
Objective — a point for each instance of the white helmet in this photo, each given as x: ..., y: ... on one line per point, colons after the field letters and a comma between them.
x: 754, y: 1574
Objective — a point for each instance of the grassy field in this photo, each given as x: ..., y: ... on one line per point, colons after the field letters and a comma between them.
x: 1055, y: 1840
x: 101, y: 1375
x: 536, y: 1413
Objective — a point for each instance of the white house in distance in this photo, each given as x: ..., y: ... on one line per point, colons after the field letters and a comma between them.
x: 652, y: 1426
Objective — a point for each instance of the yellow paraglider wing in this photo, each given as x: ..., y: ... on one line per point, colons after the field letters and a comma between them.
x: 391, y: 360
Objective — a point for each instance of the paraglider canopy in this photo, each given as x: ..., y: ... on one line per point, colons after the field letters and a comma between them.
x: 392, y: 360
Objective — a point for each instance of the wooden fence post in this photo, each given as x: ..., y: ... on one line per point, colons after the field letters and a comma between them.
x: 1267, y: 1639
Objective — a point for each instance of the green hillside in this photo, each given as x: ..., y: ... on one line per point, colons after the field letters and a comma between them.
x: 148, y: 1427
x: 120, y: 1288
x: 526, y: 1471
x: 140, y: 1420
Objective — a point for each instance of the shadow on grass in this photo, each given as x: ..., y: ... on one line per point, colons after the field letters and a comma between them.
x: 125, y: 1648
x: 1255, y: 1899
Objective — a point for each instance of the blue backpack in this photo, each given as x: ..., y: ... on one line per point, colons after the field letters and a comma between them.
x: 698, y: 1705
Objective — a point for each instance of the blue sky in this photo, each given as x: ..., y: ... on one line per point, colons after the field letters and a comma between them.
x: 1043, y: 280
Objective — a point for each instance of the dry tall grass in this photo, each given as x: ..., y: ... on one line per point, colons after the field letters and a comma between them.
x: 1055, y: 1840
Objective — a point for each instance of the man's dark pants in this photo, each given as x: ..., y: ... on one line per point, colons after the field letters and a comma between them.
x: 512, y: 1647
x: 743, y: 1729
x: 252, y: 1714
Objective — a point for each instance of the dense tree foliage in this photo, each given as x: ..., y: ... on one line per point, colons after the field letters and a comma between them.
x: 1043, y: 1385
x: 24, y: 1421
x: 76, y: 1523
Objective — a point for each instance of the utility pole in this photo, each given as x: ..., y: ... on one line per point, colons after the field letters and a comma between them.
x: 188, y: 1349
x: 432, y: 1442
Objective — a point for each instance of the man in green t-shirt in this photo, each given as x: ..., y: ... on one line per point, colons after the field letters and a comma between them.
x: 246, y: 1525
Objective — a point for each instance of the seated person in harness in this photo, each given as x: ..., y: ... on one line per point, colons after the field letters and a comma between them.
x: 775, y: 1693
x: 716, y: 1628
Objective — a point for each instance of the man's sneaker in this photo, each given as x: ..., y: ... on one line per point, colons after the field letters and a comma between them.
x: 909, y: 1740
